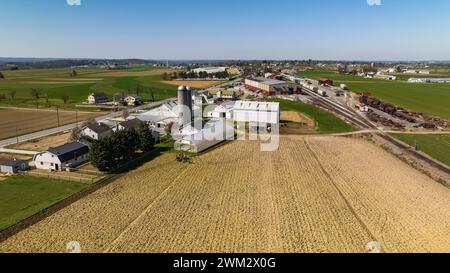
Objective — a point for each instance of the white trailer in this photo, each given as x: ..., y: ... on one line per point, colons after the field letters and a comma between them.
x: 323, y: 93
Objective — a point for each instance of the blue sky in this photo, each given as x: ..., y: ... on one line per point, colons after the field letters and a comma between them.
x: 232, y: 29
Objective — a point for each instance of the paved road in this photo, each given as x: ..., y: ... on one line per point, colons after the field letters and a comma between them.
x: 69, y: 127
x: 17, y: 152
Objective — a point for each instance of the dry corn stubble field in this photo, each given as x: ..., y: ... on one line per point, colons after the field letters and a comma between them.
x: 316, y: 194
x: 29, y: 120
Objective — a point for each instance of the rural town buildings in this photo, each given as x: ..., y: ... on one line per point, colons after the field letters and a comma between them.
x: 60, y: 158
x: 226, y: 95
x: 210, y: 70
x: 325, y: 81
x: 429, y: 80
x: 268, y: 87
x: 385, y: 77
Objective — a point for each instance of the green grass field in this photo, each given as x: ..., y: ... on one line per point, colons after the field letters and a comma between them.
x: 326, y: 122
x: 57, y: 82
x: 23, y: 196
x: 433, y: 99
x: 436, y: 146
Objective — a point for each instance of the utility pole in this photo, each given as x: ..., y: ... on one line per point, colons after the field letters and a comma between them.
x: 17, y: 135
x: 57, y: 114
x: 76, y: 116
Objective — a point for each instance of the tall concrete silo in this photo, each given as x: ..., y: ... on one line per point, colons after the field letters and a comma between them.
x: 185, y: 114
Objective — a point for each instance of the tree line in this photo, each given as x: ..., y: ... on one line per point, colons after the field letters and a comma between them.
x: 112, y: 152
x: 195, y: 75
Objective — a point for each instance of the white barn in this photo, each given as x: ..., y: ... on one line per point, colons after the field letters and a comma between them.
x: 160, y: 117
x: 60, y: 158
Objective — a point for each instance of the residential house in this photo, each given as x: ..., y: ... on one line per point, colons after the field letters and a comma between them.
x: 96, y: 131
x: 133, y: 100
x: 136, y: 125
x: 130, y: 124
x: 204, y: 98
x: 63, y: 157
x: 12, y: 166
x: 97, y: 98
x: 226, y: 95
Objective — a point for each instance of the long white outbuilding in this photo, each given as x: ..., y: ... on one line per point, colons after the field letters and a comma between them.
x: 257, y: 112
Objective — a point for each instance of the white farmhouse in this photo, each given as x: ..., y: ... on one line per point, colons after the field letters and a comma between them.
x: 96, y: 131
x: 97, y: 98
x: 133, y: 100
x: 63, y: 157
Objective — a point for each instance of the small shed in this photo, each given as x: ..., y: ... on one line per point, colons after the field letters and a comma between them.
x: 14, y: 166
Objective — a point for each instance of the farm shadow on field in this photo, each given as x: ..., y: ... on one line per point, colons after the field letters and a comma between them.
x: 138, y: 162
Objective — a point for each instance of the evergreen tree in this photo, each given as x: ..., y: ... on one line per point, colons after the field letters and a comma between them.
x: 102, y: 156
x: 146, y: 139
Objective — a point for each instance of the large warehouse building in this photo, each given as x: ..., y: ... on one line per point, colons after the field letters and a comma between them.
x: 268, y: 87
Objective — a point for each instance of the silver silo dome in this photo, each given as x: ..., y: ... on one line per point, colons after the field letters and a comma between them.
x: 185, y: 99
